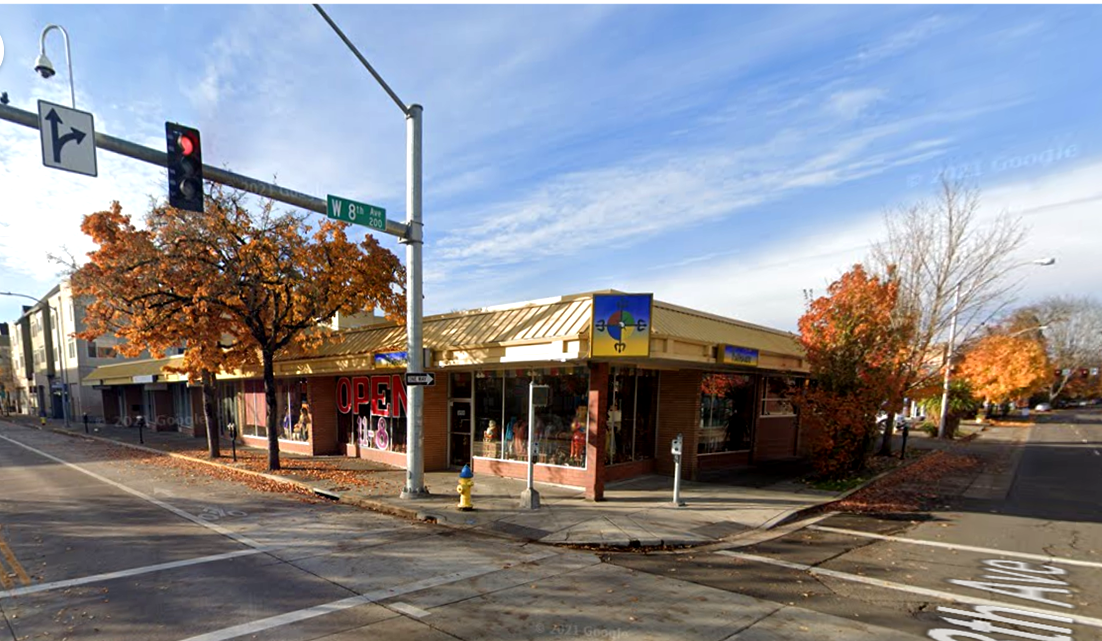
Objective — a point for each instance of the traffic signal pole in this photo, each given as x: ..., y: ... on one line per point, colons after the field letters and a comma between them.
x: 213, y: 174
x: 410, y: 233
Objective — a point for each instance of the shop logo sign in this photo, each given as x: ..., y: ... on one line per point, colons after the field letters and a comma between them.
x: 621, y: 325
x: 733, y: 355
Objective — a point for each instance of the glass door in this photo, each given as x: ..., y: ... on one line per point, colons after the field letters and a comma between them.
x: 459, y: 437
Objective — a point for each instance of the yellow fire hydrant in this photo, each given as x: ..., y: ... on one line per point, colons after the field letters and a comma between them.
x: 466, y: 483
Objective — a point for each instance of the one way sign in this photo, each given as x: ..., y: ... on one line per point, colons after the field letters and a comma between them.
x: 68, y: 138
x: 420, y: 378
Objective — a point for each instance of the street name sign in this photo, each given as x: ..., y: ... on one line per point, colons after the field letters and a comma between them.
x: 68, y: 138
x: 357, y: 213
x: 420, y: 378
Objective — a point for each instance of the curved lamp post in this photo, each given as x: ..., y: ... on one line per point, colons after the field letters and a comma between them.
x: 941, y: 431
x: 60, y: 352
x: 45, y: 68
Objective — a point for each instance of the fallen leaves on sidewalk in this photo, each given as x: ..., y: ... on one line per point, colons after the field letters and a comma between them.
x: 914, y: 488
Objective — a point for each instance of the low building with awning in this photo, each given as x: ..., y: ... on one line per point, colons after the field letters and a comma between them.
x: 617, y: 376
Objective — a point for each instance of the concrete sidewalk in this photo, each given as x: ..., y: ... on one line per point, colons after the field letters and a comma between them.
x: 637, y: 512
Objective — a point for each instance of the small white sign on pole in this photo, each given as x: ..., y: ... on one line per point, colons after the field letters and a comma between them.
x: 68, y: 138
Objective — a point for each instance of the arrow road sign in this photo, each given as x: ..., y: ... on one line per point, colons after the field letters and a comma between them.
x: 68, y: 138
x: 420, y: 378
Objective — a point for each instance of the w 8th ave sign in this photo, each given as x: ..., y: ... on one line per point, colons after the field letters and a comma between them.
x: 356, y: 213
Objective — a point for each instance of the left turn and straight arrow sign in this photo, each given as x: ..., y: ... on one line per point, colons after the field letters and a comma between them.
x: 68, y: 138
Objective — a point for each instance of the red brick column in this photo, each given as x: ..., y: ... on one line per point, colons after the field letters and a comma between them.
x: 679, y: 413
x: 596, y: 429
x: 321, y: 393
x: 434, y: 424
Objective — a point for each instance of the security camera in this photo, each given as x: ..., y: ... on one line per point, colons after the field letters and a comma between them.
x: 43, y: 66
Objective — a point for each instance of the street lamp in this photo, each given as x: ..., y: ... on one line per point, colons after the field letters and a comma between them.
x: 60, y: 354
x: 45, y: 68
x: 415, y: 459
x: 941, y: 428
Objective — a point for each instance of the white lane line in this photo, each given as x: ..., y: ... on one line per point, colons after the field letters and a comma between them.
x: 411, y: 610
x: 295, y: 616
x: 108, y: 576
x: 902, y: 587
x: 1096, y: 453
x: 955, y: 546
x: 244, y: 540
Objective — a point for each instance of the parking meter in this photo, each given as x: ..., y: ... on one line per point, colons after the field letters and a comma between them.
x: 676, y: 449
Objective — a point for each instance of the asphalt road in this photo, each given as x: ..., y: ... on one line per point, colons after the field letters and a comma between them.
x: 99, y: 543
x: 895, y: 574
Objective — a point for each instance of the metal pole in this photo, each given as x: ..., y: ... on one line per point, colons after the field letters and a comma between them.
x: 61, y: 362
x: 530, y: 498
x: 68, y: 58
x: 941, y: 431
x: 677, y: 449
x: 213, y: 174
x: 415, y: 458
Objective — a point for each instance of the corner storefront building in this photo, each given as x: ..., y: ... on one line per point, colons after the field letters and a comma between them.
x: 621, y: 374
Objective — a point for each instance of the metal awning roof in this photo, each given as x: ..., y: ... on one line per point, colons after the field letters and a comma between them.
x: 124, y: 373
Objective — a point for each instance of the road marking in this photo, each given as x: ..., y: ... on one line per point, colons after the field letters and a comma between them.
x: 98, y: 578
x: 411, y: 610
x: 1096, y: 453
x: 902, y: 587
x: 13, y: 562
x: 295, y: 616
x: 244, y: 540
x: 954, y: 546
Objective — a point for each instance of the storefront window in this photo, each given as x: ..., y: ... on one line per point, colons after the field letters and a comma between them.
x: 501, y: 414
x: 372, y: 411
x: 632, y: 411
x: 777, y: 398
x: 726, y: 413
x: 294, y: 410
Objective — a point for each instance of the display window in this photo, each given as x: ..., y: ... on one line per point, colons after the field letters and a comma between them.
x: 501, y: 415
x: 292, y: 408
x: 632, y: 415
x: 371, y: 411
x: 726, y: 413
x: 777, y: 394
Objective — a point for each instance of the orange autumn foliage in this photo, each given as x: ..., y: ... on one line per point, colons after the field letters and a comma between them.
x: 853, y: 343
x: 1003, y: 368
x: 236, y: 287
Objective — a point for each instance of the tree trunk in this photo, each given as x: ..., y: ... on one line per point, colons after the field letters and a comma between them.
x: 886, y: 442
x: 209, y: 415
x: 273, y: 419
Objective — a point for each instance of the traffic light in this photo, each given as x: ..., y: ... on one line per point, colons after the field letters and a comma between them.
x: 185, y: 167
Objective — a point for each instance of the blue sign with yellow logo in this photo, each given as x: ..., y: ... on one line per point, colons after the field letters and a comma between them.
x: 621, y: 325
x: 386, y: 360
x: 733, y: 355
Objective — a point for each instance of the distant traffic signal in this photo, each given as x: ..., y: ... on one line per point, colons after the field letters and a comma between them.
x: 185, y: 167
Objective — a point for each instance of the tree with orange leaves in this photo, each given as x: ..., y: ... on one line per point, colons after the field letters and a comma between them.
x: 237, y: 288
x: 1006, y: 366
x: 853, y: 340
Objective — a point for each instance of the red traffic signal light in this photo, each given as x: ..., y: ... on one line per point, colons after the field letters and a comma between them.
x: 185, y: 167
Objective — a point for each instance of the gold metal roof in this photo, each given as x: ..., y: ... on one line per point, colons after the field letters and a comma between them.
x: 118, y: 373
x: 681, y: 322
x: 539, y: 321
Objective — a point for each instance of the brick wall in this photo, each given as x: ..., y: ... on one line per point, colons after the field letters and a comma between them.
x: 775, y: 438
x: 164, y: 418
x: 435, y: 422
x: 594, y: 479
x: 678, y: 412
x: 321, y: 394
x: 572, y: 476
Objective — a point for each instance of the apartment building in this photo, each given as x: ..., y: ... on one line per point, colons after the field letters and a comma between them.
x: 48, y: 362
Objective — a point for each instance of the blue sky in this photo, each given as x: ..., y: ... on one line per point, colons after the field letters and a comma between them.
x: 721, y: 157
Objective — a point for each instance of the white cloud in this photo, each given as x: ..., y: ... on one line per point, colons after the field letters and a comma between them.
x: 766, y: 286
x: 850, y: 105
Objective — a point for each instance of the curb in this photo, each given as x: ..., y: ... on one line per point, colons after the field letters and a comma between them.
x: 370, y: 504
x: 797, y: 513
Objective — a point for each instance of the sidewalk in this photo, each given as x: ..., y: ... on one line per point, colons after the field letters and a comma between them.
x: 637, y: 512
